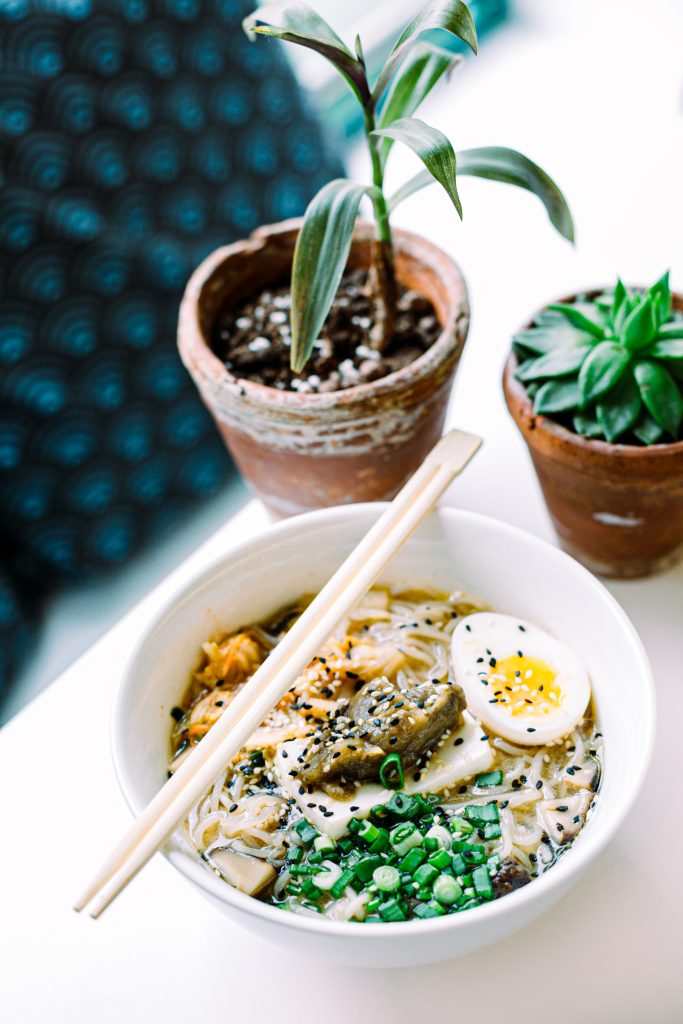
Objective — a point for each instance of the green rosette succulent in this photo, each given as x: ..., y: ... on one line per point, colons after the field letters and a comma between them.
x: 609, y: 367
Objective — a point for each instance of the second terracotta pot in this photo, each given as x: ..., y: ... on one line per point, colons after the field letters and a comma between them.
x: 618, y: 508
x: 304, y: 451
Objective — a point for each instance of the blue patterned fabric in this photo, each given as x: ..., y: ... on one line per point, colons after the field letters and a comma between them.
x: 135, y: 137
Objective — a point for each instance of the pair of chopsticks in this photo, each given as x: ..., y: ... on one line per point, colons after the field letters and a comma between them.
x: 280, y: 669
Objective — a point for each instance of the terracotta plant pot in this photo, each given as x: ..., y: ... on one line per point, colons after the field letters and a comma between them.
x: 304, y: 451
x: 618, y: 508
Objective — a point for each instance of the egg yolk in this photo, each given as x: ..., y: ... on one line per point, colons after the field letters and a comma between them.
x: 525, y: 686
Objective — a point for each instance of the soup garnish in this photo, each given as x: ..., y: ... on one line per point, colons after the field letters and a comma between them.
x: 380, y: 789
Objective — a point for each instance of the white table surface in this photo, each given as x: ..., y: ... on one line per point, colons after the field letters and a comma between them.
x: 598, y: 102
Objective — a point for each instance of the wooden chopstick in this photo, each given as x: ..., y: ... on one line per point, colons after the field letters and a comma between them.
x: 280, y: 669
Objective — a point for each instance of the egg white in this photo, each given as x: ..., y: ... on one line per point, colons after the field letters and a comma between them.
x: 482, y: 640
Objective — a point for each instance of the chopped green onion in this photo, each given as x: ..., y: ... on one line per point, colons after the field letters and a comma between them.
x: 310, y: 889
x: 337, y: 890
x: 482, y: 882
x: 426, y: 874
x: 345, y: 845
x: 458, y: 866
x: 372, y: 905
x: 482, y: 814
x: 293, y: 888
x: 300, y: 869
x: 431, y: 844
x: 402, y: 806
x: 294, y: 854
x: 391, y: 772
x: 490, y: 778
x: 431, y: 909
x: 412, y: 860
x: 306, y: 831
x: 492, y: 831
x: 386, y: 878
x: 380, y: 842
x: 323, y: 844
x: 460, y: 826
x: 446, y: 889
x: 442, y: 836
x: 404, y: 837
x: 329, y: 876
x: 365, y: 866
x: 311, y: 906
x: 475, y: 854
x: 368, y: 832
x: 392, y: 910
x: 355, y: 825
x: 440, y: 859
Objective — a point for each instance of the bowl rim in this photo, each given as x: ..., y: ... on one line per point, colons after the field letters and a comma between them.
x: 565, y: 872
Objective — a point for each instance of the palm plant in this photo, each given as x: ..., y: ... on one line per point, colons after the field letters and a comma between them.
x: 411, y: 70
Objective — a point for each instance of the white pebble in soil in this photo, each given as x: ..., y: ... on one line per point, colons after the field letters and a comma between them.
x: 259, y: 345
x: 243, y: 323
x: 365, y: 352
x: 278, y: 317
x: 348, y: 372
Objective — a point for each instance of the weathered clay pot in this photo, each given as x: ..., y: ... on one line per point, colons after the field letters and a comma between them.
x: 618, y: 508
x: 304, y: 451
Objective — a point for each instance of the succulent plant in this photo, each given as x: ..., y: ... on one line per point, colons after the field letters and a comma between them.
x: 611, y: 366
x: 413, y: 67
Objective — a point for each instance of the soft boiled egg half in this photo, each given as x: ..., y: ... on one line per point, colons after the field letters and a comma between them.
x: 519, y: 681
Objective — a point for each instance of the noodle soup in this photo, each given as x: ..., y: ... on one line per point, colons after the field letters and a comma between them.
x: 403, y: 775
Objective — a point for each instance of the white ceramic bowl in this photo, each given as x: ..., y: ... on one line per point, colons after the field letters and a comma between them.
x: 516, y: 573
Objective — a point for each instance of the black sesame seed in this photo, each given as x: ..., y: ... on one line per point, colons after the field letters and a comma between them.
x: 576, y: 819
x: 458, y: 741
x: 232, y: 807
x: 503, y: 804
x: 562, y: 807
x: 560, y: 828
x: 467, y: 625
x: 539, y: 784
x: 178, y: 714
x: 492, y: 662
x: 530, y: 728
x: 522, y: 629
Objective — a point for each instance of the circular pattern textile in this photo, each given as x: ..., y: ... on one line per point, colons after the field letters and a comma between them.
x: 135, y: 137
